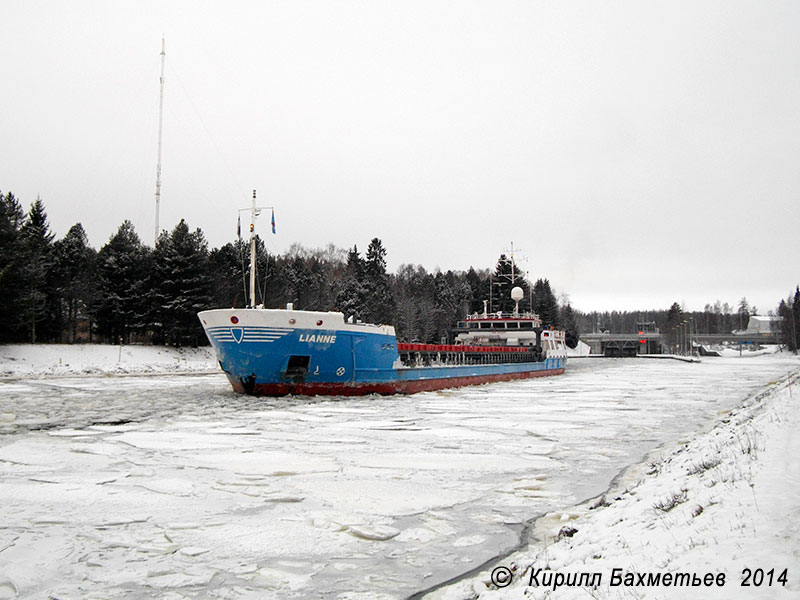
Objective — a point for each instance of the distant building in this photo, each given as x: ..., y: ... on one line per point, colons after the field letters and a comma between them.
x: 762, y: 325
x: 646, y: 327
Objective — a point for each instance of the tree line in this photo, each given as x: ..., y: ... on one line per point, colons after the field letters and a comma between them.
x: 66, y: 291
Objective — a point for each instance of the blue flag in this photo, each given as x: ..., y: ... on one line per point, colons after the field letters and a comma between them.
x: 273, y: 220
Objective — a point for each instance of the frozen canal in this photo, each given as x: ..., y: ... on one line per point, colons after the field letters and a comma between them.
x: 133, y: 487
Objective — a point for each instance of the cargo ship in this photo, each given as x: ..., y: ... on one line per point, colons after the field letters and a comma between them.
x: 286, y: 351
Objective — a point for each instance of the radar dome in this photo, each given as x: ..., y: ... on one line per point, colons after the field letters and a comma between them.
x: 517, y: 294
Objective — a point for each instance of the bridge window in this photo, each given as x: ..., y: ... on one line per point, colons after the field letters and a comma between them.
x: 526, y: 325
x: 512, y: 325
x: 472, y: 325
x: 500, y: 325
x: 486, y: 325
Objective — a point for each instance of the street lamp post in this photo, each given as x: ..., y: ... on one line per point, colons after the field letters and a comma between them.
x: 684, y: 341
x: 688, y: 338
x: 683, y: 338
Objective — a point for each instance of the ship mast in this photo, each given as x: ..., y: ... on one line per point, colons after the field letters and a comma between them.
x: 513, y: 266
x: 160, y: 126
x: 253, y: 214
x: 255, y: 211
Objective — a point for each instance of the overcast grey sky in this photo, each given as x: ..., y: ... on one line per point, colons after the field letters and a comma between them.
x: 637, y: 153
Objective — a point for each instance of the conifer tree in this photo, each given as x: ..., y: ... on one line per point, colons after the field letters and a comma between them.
x: 121, y: 305
x: 787, y: 325
x: 796, y: 318
x: 181, y: 285
x: 501, y: 286
x: 351, y: 297
x: 228, y: 264
x: 505, y: 278
x: 570, y: 324
x: 376, y: 258
x: 464, y: 298
x: 789, y: 310
x: 296, y: 282
x: 479, y: 289
x: 379, y: 303
x: 38, y: 301
x: 74, y: 277
x: 545, y: 303
x: 355, y: 264
x: 12, y: 218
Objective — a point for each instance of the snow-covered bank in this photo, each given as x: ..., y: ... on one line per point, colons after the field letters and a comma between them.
x: 39, y: 360
x: 725, y: 502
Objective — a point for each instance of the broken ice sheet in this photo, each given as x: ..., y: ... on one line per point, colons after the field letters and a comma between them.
x: 180, y: 482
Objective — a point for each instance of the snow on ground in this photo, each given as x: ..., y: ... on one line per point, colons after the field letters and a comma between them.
x: 745, y: 352
x: 46, y: 360
x: 725, y: 502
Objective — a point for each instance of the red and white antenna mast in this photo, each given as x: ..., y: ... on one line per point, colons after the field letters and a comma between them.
x: 160, y: 126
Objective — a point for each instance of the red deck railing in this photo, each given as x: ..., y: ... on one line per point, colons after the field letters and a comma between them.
x: 458, y: 348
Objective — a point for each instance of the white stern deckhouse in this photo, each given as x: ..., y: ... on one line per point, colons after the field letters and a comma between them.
x: 512, y: 330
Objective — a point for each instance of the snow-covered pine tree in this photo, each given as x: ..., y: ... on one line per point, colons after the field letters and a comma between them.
x: 379, y: 302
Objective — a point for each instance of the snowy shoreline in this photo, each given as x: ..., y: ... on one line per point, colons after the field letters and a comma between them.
x: 41, y: 361
x: 723, y: 502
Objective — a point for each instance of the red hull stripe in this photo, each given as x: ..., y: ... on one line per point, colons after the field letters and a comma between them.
x: 385, y: 388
